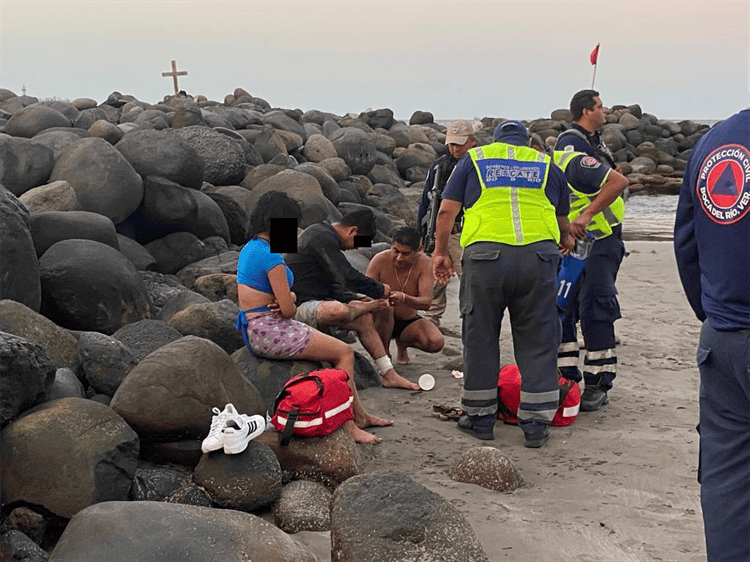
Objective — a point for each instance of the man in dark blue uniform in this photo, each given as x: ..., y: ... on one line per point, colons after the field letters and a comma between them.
x: 459, y: 137
x: 597, y: 306
x: 712, y: 247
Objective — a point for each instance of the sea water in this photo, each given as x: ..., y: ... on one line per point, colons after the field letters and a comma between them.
x: 649, y: 217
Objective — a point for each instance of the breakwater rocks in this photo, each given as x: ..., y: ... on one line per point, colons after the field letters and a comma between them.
x: 120, y: 227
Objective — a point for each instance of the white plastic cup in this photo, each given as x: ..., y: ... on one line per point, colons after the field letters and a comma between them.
x: 426, y: 382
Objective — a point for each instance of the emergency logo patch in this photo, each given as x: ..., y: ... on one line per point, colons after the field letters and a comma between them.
x: 723, y: 187
x: 590, y: 162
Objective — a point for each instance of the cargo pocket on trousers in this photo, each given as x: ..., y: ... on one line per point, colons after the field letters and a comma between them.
x: 702, y: 355
x: 606, y: 308
x: 465, y: 308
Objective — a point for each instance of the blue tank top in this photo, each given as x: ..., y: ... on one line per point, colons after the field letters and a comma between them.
x: 255, y: 261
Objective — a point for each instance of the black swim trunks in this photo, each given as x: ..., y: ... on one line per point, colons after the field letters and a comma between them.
x: 400, y: 325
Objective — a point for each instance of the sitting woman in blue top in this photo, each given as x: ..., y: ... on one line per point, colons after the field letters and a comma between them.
x: 265, y: 297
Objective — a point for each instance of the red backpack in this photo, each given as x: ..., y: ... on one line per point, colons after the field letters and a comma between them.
x: 509, y: 397
x: 312, y: 405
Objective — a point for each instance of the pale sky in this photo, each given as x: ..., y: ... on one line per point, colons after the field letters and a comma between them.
x: 463, y: 59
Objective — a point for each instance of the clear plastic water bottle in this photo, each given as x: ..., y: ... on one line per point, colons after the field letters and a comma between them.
x: 583, y: 247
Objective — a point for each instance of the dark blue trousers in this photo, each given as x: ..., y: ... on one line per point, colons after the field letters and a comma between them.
x: 523, y: 280
x: 597, y: 308
x: 724, y: 469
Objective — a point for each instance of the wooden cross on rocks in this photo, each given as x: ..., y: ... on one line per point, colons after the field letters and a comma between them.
x: 174, y: 74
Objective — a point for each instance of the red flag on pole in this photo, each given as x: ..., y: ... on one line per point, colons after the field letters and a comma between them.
x: 594, y: 54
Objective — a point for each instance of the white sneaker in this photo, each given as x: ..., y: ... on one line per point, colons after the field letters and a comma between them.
x: 215, y: 439
x: 239, y: 431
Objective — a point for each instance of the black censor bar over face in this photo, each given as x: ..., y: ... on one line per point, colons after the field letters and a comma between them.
x: 283, y: 236
x: 362, y: 241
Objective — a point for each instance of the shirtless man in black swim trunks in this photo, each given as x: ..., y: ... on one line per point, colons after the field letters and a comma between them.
x: 408, y: 272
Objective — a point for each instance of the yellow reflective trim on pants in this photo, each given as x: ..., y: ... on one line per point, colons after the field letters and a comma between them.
x: 568, y: 347
x: 567, y: 361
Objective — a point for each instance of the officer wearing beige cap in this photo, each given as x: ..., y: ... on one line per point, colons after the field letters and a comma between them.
x: 459, y: 137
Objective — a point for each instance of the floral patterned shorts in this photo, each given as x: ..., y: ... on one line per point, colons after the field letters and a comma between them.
x: 275, y: 337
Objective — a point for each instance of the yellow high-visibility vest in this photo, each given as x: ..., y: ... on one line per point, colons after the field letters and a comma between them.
x: 513, y: 207
x: 602, y: 223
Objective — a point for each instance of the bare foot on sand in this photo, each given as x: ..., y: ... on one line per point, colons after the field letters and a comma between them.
x: 391, y: 379
x: 360, y: 435
x: 402, y: 357
x: 368, y: 420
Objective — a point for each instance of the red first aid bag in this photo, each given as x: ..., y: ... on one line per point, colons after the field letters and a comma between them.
x: 312, y: 405
x: 509, y: 397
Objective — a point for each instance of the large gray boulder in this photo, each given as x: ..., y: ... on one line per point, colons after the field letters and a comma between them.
x: 66, y: 455
x: 26, y: 372
x: 87, y: 285
x: 57, y: 140
x: 175, y: 251
x: 65, y: 385
x: 165, y: 532
x: 223, y: 157
x: 155, y: 153
x: 303, y: 506
x: 139, y: 256
x: 55, y: 196
x: 269, y: 143
x: 213, y: 321
x: 329, y: 460
x: 18, y: 319
x: 145, y: 336
x: 103, y: 180
x: 105, y: 361
x: 489, y: 468
x: 234, y: 213
x: 280, y: 120
x: 382, y: 516
x: 330, y: 188
x: 49, y: 227
x: 106, y: 130
x: 170, y: 394
x: 223, y: 263
x: 35, y: 118
x: 247, y: 481
x: 318, y: 148
x: 356, y: 148
x: 301, y: 187
x: 19, y: 266
x: 24, y: 164
x: 176, y: 207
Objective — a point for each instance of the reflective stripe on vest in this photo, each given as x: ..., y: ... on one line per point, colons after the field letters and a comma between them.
x: 513, y: 207
x: 602, y: 223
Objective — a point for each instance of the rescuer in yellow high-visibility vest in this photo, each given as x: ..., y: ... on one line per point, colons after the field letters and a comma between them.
x: 516, y: 204
x: 596, y: 303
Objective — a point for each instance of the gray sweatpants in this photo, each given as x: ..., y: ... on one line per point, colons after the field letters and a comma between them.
x: 523, y: 280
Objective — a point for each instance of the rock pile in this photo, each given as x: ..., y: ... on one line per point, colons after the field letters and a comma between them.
x: 120, y: 227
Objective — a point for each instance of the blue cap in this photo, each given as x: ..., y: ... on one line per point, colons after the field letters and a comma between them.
x: 512, y: 132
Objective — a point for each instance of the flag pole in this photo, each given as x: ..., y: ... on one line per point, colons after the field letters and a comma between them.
x: 593, y: 78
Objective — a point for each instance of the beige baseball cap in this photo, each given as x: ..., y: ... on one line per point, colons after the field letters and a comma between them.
x: 458, y: 132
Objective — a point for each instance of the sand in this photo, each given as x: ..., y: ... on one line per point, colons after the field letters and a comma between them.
x: 617, y: 485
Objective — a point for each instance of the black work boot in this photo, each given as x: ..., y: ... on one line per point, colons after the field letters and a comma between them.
x: 535, y: 434
x: 481, y: 427
x: 594, y: 397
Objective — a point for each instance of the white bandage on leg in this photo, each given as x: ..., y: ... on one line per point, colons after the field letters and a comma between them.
x: 383, y: 364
